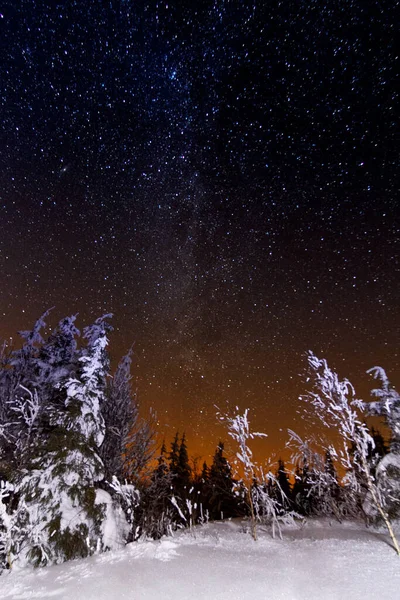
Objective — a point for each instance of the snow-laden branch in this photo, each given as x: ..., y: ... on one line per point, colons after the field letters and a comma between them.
x: 27, y: 407
x: 239, y: 430
x: 337, y: 408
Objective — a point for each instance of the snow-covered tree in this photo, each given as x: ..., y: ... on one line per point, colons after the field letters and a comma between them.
x: 387, y: 405
x: 58, y: 420
x: 58, y: 357
x: 336, y: 407
x: 19, y: 379
x: 24, y: 361
x: 31, y: 379
x: 58, y: 509
x: 86, y: 395
x: 270, y: 502
x: 121, y: 523
x: 387, y: 467
x: 239, y: 430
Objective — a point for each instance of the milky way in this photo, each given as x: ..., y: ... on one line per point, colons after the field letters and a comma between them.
x: 222, y: 176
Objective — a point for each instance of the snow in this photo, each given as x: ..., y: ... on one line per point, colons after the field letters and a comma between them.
x: 221, y: 561
x: 114, y: 527
x: 389, y: 460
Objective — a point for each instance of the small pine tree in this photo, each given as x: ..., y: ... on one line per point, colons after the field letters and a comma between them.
x: 157, y: 514
x: 184, y: 471
x: 205, y: 473
x: 162, y: 466
x: 174, y: 455
x: 222, y: 501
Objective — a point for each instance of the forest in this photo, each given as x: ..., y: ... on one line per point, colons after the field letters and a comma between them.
x: 82, y: 472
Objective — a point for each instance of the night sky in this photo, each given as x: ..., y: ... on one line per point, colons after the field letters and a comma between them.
x: 221, y: 176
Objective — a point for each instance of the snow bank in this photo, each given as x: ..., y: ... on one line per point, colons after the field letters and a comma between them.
x: 220, y: 561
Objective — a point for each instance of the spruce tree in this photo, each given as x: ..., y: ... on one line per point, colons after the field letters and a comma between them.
x: 205, y: 473
x: 222, y: 501
x: 162, y: 466
x: 58, y: 356
x: 120, y: 415
x: 22, y: 396
x: 57, y: 508
x: 184, y: 470
x: 299, y: 490
x: 24, y: 362
x: 173, y: 456
x: 157, y: 514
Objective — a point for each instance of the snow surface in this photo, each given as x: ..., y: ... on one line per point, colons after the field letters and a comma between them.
x: 220, y: 561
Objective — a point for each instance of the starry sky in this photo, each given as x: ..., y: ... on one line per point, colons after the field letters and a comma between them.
x: 222, y: 176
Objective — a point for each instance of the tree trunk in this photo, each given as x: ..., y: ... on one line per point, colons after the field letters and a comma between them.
x: 253, y: 517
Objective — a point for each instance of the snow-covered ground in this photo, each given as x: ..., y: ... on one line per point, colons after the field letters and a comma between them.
x: 220, y: 561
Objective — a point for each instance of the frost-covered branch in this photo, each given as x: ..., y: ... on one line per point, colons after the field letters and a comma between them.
x: 28, y: 409
x: 387, y: 405
x: 239, y: 430
x: 337, y: 408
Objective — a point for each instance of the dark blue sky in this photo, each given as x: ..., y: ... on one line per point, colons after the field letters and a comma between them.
x: 220, y: 175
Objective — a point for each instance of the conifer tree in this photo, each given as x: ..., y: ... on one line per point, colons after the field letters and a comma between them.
x: 21, y: 383
x: 24, y: 361
x: 184, y: 470
x: 300, y: 490
x: 57, y: 507
x: 157, y: 514
x: 387, y: 469
x: 174, y: 455
x: 162, y: 466
x: 58, y: 355
x: 58, y: 361
x: 140, y: 447
x: 205, y: 473
x: 220, y: 483
x: 120, y: 415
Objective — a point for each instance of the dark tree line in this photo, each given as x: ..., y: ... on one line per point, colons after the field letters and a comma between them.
x: 177, y: 496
